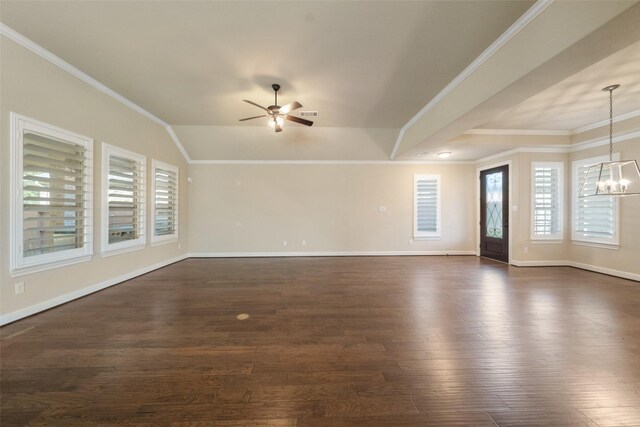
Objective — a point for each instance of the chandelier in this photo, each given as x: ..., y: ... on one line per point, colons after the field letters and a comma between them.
x: 613, y: 178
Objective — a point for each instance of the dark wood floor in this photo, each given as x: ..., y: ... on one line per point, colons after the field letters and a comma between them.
x: 333, y: 341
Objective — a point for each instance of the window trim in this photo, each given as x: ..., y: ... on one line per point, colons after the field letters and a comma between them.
x: 576, y: 238
x: 558, y: 237
x: 109, y: 249
x: 427, y: 235
x: 19, y: 265
x: 169, y: 238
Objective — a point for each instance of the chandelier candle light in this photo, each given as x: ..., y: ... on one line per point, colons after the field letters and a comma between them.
x: 613, y: 178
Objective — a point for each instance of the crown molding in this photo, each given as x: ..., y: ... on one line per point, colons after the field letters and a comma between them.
x: 528, y: 149
x: 576, y: 131
x: 330, y: 162
x: 176, y: 141
x: 601, y: 123
x: 511, y: 32
x: 32, y: 46
x: 565, y: 148
x: 596, y: 142
x: 534, y: 132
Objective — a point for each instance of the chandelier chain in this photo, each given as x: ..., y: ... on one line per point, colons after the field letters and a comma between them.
x: 611, y: 125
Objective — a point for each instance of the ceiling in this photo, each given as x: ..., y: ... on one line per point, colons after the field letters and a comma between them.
x: 578, y: 101
x: 360, y: 64
x: 368, y: 67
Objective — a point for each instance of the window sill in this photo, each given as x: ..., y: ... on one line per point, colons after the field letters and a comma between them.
x: 23, y: 271
x: 164, y: 241
x: 609, y: 246
x: 546, y: 241
x: 111, y: 252
x: 419, y: 238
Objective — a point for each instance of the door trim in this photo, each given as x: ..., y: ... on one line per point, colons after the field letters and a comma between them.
x: 511, y: 205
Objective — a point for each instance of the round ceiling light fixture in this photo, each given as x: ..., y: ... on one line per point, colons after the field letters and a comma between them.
x: 444, y: 154
x: 276, y: 119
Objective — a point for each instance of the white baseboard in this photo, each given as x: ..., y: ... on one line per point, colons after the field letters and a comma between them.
x: 605, y: 270
x: 544, y: 263
x: 322, y: 254
x: 589, y: 267
x: 45, y: 305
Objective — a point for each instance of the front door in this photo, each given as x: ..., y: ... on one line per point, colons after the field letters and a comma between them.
x: 494, y: 213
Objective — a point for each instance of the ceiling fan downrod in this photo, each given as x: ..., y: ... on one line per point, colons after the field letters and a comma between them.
x: 276, y: 88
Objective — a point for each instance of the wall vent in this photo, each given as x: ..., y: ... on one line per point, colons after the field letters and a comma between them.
x: 308, y: 114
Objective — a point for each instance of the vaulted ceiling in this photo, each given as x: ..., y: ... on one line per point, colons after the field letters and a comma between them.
x: 369, y: 68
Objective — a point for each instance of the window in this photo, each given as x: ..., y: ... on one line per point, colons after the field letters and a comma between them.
x: 594, y: 219
x: 51, y: 189
x: 123, y: 213
x: 426, y: 223
x: 165, y: 202
x: 546, y: 201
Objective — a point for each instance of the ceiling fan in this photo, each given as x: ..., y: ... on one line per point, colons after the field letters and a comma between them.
x: 277, y: 115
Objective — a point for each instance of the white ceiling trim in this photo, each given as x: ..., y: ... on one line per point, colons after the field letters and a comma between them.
x: 23, y: 41
x: 518, y: 132
x: 555, y: 149
x: 596, y: 142
x: 331, y: 162
x: 511, y: 32
x: 601, y: 123
x: 173, y: 136
x: 568, y: 148
x: 620, y: 118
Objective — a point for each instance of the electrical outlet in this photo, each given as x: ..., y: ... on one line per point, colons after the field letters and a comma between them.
x: 179, y: 246
x: 19, y: 288
x: 382, y: 209
x: 284, y: 243
x: 526, y: 249
x: 304, y: 243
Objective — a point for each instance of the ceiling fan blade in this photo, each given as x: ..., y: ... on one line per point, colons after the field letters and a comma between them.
x: 253, y: 103
x: 299, y: 120
x: 251, y: 118
x: 290, y: 107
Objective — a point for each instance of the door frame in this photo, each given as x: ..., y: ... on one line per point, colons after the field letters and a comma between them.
x: 512, y: 208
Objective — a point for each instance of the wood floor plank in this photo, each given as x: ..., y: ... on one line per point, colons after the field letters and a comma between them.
x: 395, y: 341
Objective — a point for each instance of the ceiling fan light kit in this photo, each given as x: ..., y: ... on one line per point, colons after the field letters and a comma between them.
x: 278, y: 116
x: 613, y: 178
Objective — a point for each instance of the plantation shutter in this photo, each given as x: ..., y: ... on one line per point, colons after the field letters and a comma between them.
x: 595, y: 215
x: 426, y: 206
x: 166, y: 201
x: 546, y: 202
x: 55, y: 198
x: 126, y: 199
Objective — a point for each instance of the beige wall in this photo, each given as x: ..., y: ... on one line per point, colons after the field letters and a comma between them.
x: 334, y: 208
x: 38, y: 89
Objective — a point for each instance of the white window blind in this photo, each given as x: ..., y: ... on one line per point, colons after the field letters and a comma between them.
x: 547, y: 212
x: 52, y: 211
x: 123, y: 219
x: 165, y: 196
x: 594, y: 218
x: 426, y: 206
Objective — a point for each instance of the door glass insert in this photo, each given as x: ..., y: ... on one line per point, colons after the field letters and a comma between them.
x: 494, y: 205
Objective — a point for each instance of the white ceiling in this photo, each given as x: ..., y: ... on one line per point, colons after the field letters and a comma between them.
x: 371, y: 64
x: 368, y: 66
x: 579, y: 101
